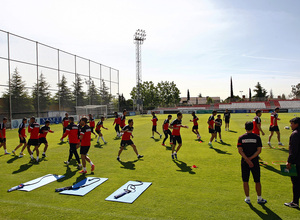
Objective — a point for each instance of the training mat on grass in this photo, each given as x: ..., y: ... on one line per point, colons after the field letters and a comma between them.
x: 84, y: 186
x: 41, y: 181
x: 129, y: 197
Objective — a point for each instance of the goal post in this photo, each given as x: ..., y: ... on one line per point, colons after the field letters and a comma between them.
x: 96, y: 110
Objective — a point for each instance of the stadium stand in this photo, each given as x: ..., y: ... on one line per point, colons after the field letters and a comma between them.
x: 289, y: 104
x: 243, y: 105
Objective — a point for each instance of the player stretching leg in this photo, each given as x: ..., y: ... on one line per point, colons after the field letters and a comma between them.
x: 176, y: 125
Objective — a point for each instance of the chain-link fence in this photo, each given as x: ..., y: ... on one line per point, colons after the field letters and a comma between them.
x: 37, y: 79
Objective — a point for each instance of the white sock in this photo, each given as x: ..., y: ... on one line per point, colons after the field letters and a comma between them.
x: 31, y: 156
x: 102, y: 138
x: 248, y: 197
x: 98, y: 138
x: 91, y: 163
x: 5, y: 151
x: 84, y: 168
x: 44, y: 152
x: 259, y: 198
x: 209, y: 143
x: 37, y: 158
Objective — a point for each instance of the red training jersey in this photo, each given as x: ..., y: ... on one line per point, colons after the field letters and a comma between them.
x: 127, y: 132
x: 274, y: 115
x: 195, y: 120
x: 117, y: 120
x: 44, y: 131
x: 256, y: 121
x: 3, y: 129
x: 65, y: 121
x: 176, y: 127
x: 92, y: 122
x: 72, y: 132
x: 211, y: 122
x: 34, y: 130
x: 99, y: 125
x: 22, y: 130
x: 86, y: 133
x: 122, y: 121
x: 154, y: 120
x: 166, y: 125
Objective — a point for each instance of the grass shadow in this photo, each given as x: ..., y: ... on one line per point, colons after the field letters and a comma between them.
x: 98, y: 145
x: 168, y: 147
x: 183, y: 167
x: 269, y: 215
x: 271, y: 168
x: 68, y: 174
x: 13, y: 159
x: 219, y: 151
x: 117, y: 138
x: 130, y: 165
x: 156, y: 139
x: 232, y: 131
x: 283, y: 150
x: 62, y: 142
x: 23, y: 167
x: 224, y: 143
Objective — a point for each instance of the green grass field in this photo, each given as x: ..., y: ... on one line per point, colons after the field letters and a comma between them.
x: 178, y: 191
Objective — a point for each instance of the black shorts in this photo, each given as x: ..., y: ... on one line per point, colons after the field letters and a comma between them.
x: 43, y: 140
x: 254, y: 170
x: 92, y: 129
x: 126, y: 142
x: 22, y: 141
x: 218, y: 128
x: 2, y: 140
x: 195, y: 127
x: 227, y: 120
x: 211, y: 130
x: 166, y: 132
x: 84, y: 150
x: 274, y: 128
x: 154, y: 128
x: 98, y: 132
x: 34, y: 142
x: 177, y: 139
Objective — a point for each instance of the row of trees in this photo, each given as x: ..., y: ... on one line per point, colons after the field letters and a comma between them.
x: 24, y: 101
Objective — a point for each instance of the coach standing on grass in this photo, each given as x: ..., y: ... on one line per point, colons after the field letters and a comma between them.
x: 294, y: 158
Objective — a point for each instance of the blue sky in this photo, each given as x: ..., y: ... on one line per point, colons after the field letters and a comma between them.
x: 198, y: 44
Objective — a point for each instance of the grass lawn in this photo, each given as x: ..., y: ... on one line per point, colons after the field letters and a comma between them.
x: 213, y: 190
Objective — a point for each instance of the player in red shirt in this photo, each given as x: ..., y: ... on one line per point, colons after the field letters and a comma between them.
x: 42, y: 137
x: 211, y: 128
x: 85, y: 139
x: 92, y: 124
x: 154, y: 127
x: 127, y: 134
x: 176, y: 125
x: 34, y: 130
x: 22, y: 137
x: 195, y: 126
x: 274, y: 127
x: 218, y: 125
x: 117, y: 122
x: 72, y: 133
x: 257, y: 123
x: 65, y: 123
x: 3, y: 135
x: 98, y: 130
x: 123, y: 118
x: 166, y: 130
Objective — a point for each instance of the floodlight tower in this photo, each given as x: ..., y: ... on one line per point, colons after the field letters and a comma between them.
x: 139, y: 37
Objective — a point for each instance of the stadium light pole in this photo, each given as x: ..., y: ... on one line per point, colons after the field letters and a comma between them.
x: 139, y: 37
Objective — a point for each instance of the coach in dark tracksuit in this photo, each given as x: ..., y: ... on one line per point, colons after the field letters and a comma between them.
x: 294, y: 158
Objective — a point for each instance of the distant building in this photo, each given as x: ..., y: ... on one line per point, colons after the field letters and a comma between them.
x: 198, y: 100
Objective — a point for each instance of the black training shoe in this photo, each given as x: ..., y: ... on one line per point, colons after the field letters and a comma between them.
x: 140, y: 156
x: 118, y: 159
x: 291, y: 204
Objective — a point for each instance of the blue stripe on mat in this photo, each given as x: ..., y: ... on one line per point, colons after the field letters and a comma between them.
x: 90, y: 182
x: 130, y: 197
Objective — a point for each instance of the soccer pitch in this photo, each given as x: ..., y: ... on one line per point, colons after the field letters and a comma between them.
x: 213, y: 190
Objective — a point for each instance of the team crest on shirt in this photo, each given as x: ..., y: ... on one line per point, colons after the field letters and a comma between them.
x: 249, y: 141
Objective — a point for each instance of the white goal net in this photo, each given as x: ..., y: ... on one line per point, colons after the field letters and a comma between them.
x: 96, y: 110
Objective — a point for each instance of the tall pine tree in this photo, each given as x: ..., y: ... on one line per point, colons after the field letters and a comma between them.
x: 41, y: 93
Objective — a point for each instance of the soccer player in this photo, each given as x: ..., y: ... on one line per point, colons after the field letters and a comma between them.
x: 72, y: 133
x: 126, y: 139
x: 257, y: 123
x: 176, y: 125
x: 154, y: 126
x: 226, y: 118
x: 22, y: 137
x: 92, y: 124
x: 294, y: 158
x: 98, y: 130
x: 195, y: 127
x: 42, y: 137
x: 34, y: 130
x: 218, y: 125
x: 85, y: 138
x: 249, y: 147
x: 3, y: 135
x: 211, y: 127
x: 274, y: 127
x: 166, y: 130
x: 117, y: 122
x: 123, y: 118
x: 65, y: 123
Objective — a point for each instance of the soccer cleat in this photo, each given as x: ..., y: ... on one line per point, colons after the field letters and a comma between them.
x: 66, y: 162
x: 79, y: 166
x: 160, y: 136
x: 105, y: 142
x: 83, y: 171
x: 6, y: 153
x: 43, y: 155
x: 247, y: 201
x: 279, y: 143
x: 175, y: 156
x: 152, y: 137
x: 262, y: 201
x: 215, y: 140
x: 140, y: 156
x: 163, y: 144
x: 92, y: 167
x: 21, y: 155
x: 221, y: 141
x: 118, y: 159
x: 172, y: 156
x: 291, y: 204
x: 14, y: 152
x: 269, y: 144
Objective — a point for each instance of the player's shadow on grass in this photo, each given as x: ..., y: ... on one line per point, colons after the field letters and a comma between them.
x: 271, y: 168
x: 269, y: 215
x: 62, y: 142
x: 23, y: 167
x: 183, y: 167
x: 156, y: 139
x: 117, y: 138
x: 198, y: 140
x: 68, y: 175
x: 232, y: 131
x: 168, y: 147
x: 98, y: 145
x: 130, y: 165
x: 283, y: 150
x: 219, y: 151
x: 12, y: 159
x: 224, y: 143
